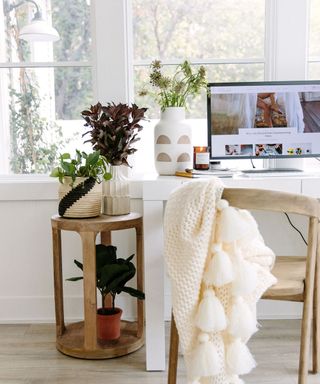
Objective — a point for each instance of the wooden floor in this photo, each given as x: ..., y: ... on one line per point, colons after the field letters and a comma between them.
x: 28, y: 356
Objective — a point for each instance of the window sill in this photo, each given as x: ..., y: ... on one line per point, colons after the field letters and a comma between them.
x: 43, y: 188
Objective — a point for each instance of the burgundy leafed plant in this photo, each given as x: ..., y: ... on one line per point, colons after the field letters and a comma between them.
x: 114, y: 128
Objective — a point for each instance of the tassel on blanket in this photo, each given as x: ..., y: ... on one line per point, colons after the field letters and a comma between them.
x: 219, y: 271
x: 245, y: 280
x: 232, y: 225
x: 235, y: 379
x: 239, y: 359
x: 242, y: 323
x: 204, y: 360
x: 210, y: 316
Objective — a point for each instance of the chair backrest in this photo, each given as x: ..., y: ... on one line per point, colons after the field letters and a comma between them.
x: 266, y: 200
x: 274, y: 201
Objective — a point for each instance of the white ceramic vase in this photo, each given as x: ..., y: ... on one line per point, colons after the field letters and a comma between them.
x: 116, y: 198
x: 173, y: 143
x: 79, y: 203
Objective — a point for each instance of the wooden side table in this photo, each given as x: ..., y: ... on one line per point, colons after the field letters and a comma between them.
x: 80, y: 339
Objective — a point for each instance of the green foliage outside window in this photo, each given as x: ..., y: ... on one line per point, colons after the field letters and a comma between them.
x: 73, y: 86
x: 198, y: 30
x: 30, y: 151
x: 35, y: 138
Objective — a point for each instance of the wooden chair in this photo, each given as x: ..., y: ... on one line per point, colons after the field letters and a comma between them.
x: 298, y: 277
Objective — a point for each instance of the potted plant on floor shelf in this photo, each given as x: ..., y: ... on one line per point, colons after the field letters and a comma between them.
x: 112, y: 275
x: 113, y: 129
x: 173, y: 142
x: 80, y: 189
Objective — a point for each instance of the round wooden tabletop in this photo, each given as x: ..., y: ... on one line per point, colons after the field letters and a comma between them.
x: 100, y: 223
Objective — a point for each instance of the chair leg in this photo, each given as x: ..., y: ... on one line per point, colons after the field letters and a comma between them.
x: 316, y: 317
x: 308, y: 302
x: 173, y: 352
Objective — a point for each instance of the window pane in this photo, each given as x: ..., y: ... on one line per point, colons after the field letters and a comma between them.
x: 197, y: 107
x: 314, y: 71
x: 37, y: 106
x: 73, y: 91
x: 201, y: 29
x: 314, y: 46
x: 70, y: 18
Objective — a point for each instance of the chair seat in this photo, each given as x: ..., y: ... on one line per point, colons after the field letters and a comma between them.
x: 290, y: 272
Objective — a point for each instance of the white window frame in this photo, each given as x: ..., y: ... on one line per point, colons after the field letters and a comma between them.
x: 112, y: 49
x: 286, y: 21
x: 4, y: 134
x: 311, y: 59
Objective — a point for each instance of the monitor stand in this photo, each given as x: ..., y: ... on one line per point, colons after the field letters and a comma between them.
x: 278, y: 166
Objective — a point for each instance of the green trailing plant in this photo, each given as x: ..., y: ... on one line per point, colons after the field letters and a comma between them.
x: 30, y: 151
x: 92, y: 165
x: 112, y: 275
x: 174, y: 91
x: 114, y: 129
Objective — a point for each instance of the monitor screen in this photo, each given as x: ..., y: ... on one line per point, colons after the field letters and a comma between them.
x: 264, y: 119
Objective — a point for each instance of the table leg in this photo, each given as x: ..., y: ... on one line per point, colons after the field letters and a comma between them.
x: 58, y: 283
x: 316, y: 313
x: 140, y: 278
x: 106, y: 239
x: 90, y: 290
x: 154, y: 285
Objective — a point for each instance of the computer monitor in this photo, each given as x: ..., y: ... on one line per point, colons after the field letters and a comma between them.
x: 260, y: 120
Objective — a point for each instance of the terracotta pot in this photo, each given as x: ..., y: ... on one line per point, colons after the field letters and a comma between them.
x: 108, y: 325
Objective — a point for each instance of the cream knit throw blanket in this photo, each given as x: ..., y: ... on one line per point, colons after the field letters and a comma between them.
x: 219, y: 267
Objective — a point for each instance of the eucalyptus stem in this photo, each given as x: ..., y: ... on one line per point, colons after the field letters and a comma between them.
x: 174, y: 91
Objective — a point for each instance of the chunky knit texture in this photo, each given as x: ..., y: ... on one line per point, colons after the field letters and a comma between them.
x: 191, y: 230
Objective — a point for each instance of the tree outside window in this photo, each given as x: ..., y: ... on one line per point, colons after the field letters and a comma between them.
x: 43, y: 86
x: 227, y: 36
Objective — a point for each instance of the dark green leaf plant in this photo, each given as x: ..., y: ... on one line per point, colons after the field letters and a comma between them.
x: 112, y: 275
x: 114, y: 129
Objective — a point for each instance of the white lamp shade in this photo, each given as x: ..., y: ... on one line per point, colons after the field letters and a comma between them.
x: 38, y: 30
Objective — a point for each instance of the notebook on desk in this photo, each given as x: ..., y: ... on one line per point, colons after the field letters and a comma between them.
x: 216, y: 172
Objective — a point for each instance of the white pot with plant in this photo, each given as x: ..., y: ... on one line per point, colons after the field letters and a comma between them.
x: 113, y: 129
x: 112, y: 275
x: 80, y: 191
x: 172, y: 134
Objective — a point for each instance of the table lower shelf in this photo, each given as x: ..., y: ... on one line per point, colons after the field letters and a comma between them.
x: 71, y: 342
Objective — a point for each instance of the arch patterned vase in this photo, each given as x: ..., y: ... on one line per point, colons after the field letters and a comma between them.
x: 173, y: 142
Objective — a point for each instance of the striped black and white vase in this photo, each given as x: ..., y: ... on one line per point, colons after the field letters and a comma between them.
x: 81, y: 199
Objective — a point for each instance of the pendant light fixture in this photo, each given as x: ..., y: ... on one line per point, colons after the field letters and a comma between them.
x: 38, y: 29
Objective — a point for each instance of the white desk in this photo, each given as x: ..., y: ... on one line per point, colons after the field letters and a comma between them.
x: 155, y: 193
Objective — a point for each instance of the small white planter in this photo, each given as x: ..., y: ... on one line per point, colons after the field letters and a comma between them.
x: 173, y: 143
x: 116, y: 198
x: 88, y: 205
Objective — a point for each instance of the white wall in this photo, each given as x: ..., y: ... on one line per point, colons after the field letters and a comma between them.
x: 26, y: 274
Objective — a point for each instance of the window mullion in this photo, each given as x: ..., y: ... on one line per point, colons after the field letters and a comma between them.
x: 290, y: 50
x: 49, y: 64
x: 112, y: 50
x: 144, y: 63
